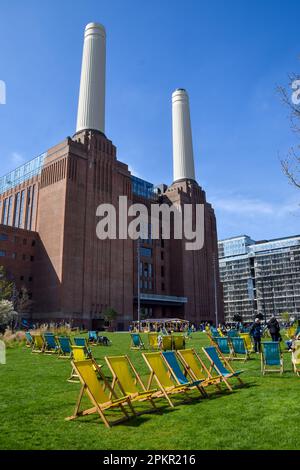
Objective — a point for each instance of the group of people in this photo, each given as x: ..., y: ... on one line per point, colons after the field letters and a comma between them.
x: 256, y: 331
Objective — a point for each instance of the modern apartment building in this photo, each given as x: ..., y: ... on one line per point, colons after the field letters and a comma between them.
x: 260, y: 277
x: 52, y: 201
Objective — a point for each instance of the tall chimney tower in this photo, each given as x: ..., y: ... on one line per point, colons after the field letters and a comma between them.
x: 183, y: 156
x: 91, y: 105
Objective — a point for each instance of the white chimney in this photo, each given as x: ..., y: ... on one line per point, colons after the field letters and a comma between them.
x: 91, y: 105
x: 183, y: 157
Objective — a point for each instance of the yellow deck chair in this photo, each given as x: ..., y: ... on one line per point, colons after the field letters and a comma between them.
x: 160, y: 372
x: 178, y: 342
x: 153, y: 340
x: 128, y: 380
x: 296, y: 357
x: 100, y: 398
x: 79, y: 353
x: 38, y: 344
x: 248, y: 341
x: 196, y: 368
x: 167, y: 343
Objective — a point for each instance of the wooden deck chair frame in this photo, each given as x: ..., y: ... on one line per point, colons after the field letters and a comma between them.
x: 237, y: 356
x: 50, y: 351
x: 153, y: 345
x: 99, y: 408
x: 29, y: 339
x: 264, y: 365
x: 36, y: 348
x: 132, y: 345
x: 165, y: 392
x: 209, y: 379
x: 190, y: 385
x: 61, y: 353
x: 227, y: 365
x: 295, y: 359
x: 139, y: 396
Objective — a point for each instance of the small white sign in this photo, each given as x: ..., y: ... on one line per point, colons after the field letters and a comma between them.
x: 2, y: 353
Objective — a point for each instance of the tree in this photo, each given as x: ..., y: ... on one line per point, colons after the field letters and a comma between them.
x: 7, y: 314
x: 24, y: 303
x: 291, y: 98
x: 6, y: 286
x: 285, y: 317
x: 110, y: 315
x: 237, y: 317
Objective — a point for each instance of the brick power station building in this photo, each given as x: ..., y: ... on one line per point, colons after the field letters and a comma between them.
x: 48, y: 240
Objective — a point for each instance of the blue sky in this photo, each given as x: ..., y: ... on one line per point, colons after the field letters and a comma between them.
x: 229, y: 54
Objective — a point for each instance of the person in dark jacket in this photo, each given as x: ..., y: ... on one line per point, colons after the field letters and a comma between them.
x: 274, y: 329
x: 256, y: 333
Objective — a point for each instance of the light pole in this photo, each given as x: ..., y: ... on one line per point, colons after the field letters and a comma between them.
x: 139, y: 282
x: 215, y: 291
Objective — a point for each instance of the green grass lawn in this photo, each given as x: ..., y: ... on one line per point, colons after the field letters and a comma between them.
x: 35, y: 398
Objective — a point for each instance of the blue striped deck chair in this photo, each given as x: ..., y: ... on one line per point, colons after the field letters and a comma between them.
x: 181, y: 379
x: 271, y: 356
x: 51, y: 346
x: 93, y: 337
x: 224, y: 346
x: 65, y: 349
x: 222, y: 367
x: 240, y: 349
x: 29, y: 339
x: 233, y: 333
x: 136, y: 341
x: 214, y: 332
x: 81, y: 341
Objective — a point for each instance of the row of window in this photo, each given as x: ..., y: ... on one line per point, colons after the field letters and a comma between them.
x: 13, y: 214
x: 4, y: 237
x: 3, y: 254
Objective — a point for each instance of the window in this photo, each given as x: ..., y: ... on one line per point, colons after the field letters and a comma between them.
x: 30, y: 279
x: 2, y: 253
x: 33, y: 243
x: 31, y: 258
x: 21, y: 278
x: 23, y: 257
x: 14, y: 255
x: 3, y: 236
x: 162, y: 286
x: 162, y: 255
x: 162, y: 271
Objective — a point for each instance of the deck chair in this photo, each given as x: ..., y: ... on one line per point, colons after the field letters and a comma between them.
x: 248, y: 341
x: 136, y: 341
x: 222, y: 367
x: 167, y: 343
x: 271, y: 356
x: 29, y: 339
x: 65, y: 349
x: 178, y: 342
x: 126, y: 377
x: 181, y: 378
x: 296, y: 357
x: 233, y: 333
x: 78, y: 354
x: 224, y: 346
x: 51, y: 346
x: 160, y: 372
x: 240, y: 349
x: 38, y: 344
x: 100, y: 398
x: 214, y: 331
x: 81, y: 341
x: 196, y: 368
x: 153, y: 340
x: 93, y: 337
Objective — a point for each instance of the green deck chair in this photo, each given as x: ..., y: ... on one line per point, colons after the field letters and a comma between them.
x: 240, y: 349
x: 271, y: 357
x: 136, y: 341
x: 221, y: 365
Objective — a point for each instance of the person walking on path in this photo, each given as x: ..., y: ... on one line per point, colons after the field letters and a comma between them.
x: 256, y: 333
x: 274, y: 329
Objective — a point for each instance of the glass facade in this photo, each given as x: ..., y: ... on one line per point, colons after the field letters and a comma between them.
x: 260, y: 277
x: 143, y: 188
x: 22, y: 173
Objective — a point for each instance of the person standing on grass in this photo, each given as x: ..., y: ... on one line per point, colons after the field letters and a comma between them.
x: 274, y: 329
x: 256, y: 333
